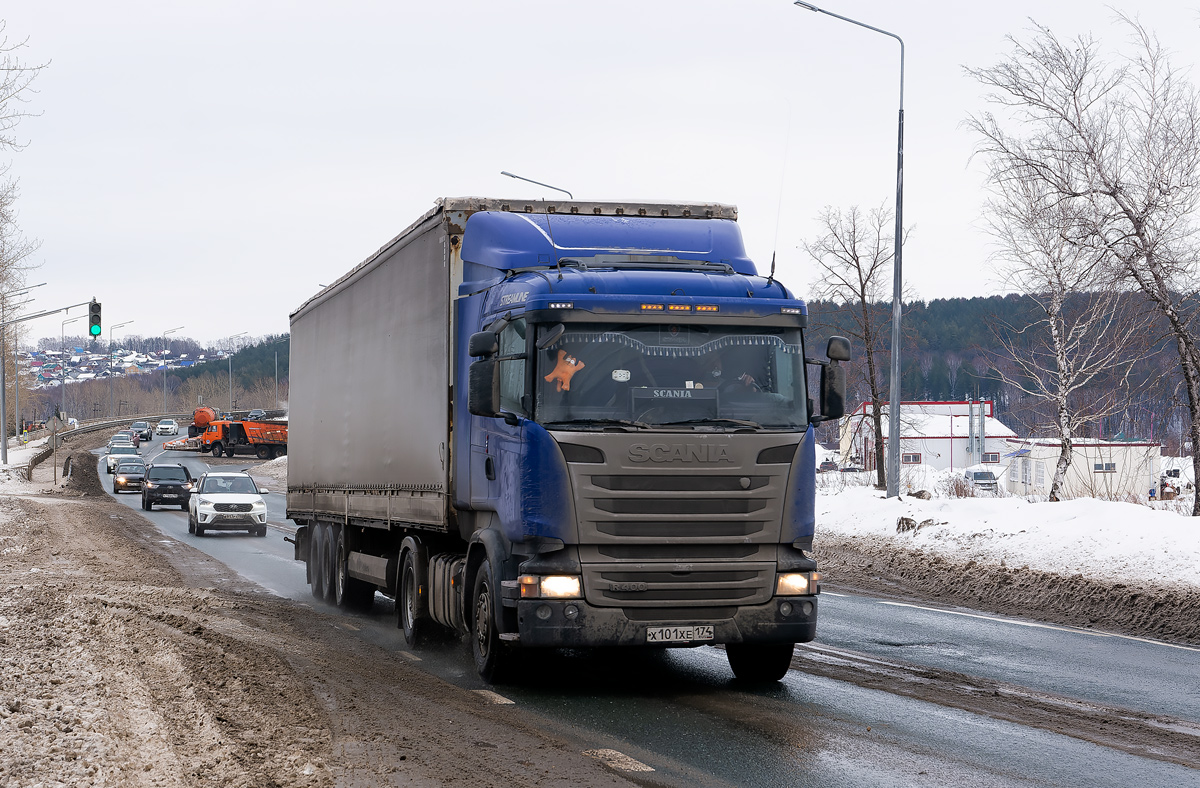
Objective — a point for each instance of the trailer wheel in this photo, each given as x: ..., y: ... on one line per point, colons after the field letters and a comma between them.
x: 492, y: 658
x: 410, y: 610
x: 349, y: 593
x: 316, y: 558
x: 759, y: 663
x: 329, y: 561
x: 263, y: 452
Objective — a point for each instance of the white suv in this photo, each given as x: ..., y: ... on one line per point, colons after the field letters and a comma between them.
x: 167, y: 427
x: 227, y: 501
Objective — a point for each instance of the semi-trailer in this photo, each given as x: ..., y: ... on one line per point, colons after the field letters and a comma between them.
x: 563, y: 424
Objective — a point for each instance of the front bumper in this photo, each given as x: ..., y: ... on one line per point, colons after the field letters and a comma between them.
x: 545, y: 622
x: 168, y: 496
x: 127, y: 486
x: 225, y: 521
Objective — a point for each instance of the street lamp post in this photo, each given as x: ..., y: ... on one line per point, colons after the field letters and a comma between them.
x: 235, y: 336
x: 110, y: 355
x: 893, y: 452
x: 168, y: 331
x: 62, y: 363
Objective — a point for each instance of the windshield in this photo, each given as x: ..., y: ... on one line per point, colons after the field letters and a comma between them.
x: 664, y: 374
x: 130, y: 467
x: 984, y: 476
x: 230, y: 484
x: 137, y: 425
x: 124, y: 450
x: 168, y: 475
x: 166, y: 423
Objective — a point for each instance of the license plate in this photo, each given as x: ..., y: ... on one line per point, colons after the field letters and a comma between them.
x: 678, y: 634
x: 170, y: 495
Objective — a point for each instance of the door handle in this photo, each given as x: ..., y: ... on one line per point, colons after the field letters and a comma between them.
x: 489, y: 469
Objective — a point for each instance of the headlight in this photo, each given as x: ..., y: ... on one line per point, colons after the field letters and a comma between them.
x: 798, y: 584
x: 203, y: 502
x: 121, y: 479
x: 149, y: 485
x: 550, y: 587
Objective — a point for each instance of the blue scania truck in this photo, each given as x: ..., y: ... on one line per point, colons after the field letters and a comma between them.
x: 563, y: 424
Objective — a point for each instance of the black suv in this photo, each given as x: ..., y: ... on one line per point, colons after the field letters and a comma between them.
x: 143, y: 429
x: 166, y: 484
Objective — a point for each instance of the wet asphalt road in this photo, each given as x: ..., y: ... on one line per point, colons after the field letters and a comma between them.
x: 679, y: 713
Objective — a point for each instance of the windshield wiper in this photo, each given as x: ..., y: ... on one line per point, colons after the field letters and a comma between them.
x: 592, y: 422
x: 736, y: 422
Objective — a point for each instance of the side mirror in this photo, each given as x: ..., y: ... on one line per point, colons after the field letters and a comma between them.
x: 551, y: 336
x: 838, y: 349
x: 483, y: 386
x: 833, y: 390
x: 483, y: 343
x: 261, y: 491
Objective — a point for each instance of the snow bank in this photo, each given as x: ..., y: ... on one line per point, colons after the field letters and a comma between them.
x: 273, y: 473
x: 1111, y: 541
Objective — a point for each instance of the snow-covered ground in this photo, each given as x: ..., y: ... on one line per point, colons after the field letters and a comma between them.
x: 1103, y: 540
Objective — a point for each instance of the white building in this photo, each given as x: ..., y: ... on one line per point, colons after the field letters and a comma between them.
x: 1112, y: 470
x: 942, y: 435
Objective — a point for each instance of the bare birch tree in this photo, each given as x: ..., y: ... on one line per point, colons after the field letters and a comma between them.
x: 1083, y: 334
x: 1123, y: 139
x: 854, y: 261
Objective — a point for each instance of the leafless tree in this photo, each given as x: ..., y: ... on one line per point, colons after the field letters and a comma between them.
x: 1085, y: 333
x: 1121, y: 139
x: 953, y: 365
x: 854, y: 261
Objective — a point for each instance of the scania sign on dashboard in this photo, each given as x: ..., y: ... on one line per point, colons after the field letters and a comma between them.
x: 679, y: 452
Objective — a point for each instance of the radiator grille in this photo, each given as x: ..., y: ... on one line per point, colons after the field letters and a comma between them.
x: 232, y: 507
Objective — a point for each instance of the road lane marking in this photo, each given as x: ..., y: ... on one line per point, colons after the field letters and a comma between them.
x: 618, y: 760
x: 1036, y: 625
x: 411, y: 657
x: 493, y: 698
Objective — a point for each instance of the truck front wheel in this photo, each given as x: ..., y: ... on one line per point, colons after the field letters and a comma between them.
x: 216, y: 449
x: 759, y: 663
x: 492, y: 658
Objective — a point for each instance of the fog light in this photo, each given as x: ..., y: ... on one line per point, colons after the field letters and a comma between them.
x: 785, y: 609
x: 571, y: 612
x: 543, y: 612
x: 807, y: 608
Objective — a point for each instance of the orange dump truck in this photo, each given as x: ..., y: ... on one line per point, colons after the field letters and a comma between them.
x: 265, y: 439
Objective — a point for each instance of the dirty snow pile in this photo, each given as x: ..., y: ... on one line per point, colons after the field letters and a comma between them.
x: 1104, y: 540
x: 273, y: 473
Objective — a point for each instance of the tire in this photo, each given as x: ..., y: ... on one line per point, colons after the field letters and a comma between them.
x: 261, y: 531
x: 199, y: 529
x: 263, y: 452
x: 191, y: 524
x: 316, y: 559
x: 217, y: 448
x: 493, y: 658
x: 759, y: 663
x: 329, y: 561
x: 410, y: 603
x: 183, y: 507
x: 348, y: 593
x: 147, y: 504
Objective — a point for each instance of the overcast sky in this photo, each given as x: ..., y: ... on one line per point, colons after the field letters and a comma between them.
x: 210, y: 164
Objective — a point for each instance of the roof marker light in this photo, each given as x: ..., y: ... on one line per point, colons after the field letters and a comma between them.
x: 679, y: 308
x: 561, y: 305
x: 791, y: 310
x: 652, y: 307
x: 707, y: 308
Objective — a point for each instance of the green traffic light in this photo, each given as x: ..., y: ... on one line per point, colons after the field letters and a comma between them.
x: 96, y: 331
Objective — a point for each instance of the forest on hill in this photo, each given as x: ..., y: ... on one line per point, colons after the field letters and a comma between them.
x: 954, y: 348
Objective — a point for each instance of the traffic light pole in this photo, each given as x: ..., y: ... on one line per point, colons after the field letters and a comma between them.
x: 3, y: 404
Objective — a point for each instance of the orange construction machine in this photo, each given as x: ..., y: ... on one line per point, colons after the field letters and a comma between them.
x: 265, y: 439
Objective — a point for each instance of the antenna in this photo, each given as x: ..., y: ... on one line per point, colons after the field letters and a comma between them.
x: 787, y: 144
x: 539, y: 183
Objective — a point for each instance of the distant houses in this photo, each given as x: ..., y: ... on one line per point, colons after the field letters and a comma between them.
x: 50, y: 368
x: 952, y: 436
